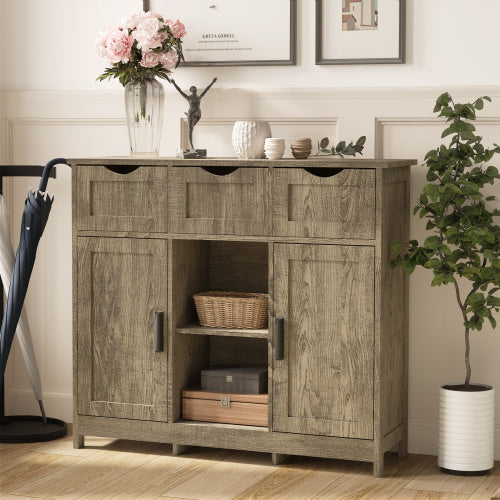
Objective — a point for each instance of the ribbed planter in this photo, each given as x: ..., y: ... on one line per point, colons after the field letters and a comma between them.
x: 466, y: 429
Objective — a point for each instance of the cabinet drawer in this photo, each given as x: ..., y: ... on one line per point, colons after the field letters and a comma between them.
x: 113, y: 201
x: 218, y: 200
x: 306, y: 204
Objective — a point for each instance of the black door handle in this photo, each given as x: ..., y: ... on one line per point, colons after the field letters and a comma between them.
x: 279, y: 338
x: 158, y: 331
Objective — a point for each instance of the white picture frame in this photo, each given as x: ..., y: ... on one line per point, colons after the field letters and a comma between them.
x: 235, y: 32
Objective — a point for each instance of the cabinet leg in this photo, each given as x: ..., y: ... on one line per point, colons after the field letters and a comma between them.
x: 78, y: 441
x: 180, y: 449
x: 278, y: 458
x: 378, y: 465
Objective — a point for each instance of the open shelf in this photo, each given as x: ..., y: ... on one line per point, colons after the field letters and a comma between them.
x: 194, y: 329
x: 224, y: 266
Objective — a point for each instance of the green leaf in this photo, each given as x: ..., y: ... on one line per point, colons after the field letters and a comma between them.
x: 475, y: 299
x: 432, y: 242
x: 493, y: 301
x: 324, y: 143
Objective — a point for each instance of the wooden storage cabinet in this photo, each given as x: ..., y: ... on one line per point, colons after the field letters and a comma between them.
x: 317, y: 239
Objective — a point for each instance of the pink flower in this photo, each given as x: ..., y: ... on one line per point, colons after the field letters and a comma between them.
x: 102, y: 38
x: 147, y: 35
x: 118, y: 46
x: 176, y: 27
x: 150, y: 59
x: 169, y: 59
x: 135, y: 19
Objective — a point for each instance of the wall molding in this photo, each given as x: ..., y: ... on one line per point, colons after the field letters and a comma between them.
x: 11, y: 123
x: 382, y: 122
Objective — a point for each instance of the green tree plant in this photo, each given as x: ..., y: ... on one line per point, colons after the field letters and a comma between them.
x: 463, y: 249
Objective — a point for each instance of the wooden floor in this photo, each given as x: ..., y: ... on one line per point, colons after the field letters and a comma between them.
x: 109, y: 468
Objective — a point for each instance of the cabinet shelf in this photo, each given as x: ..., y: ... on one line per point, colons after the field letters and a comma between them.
x: 193, y: 329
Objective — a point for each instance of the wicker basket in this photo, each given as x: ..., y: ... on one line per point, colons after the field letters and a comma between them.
x: 232, y: 310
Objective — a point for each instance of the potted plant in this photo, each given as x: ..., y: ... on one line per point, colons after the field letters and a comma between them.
x: 463, y: 251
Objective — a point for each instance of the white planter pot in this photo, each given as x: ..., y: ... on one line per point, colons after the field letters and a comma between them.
x: 466, y: 430
x: 249, y: 138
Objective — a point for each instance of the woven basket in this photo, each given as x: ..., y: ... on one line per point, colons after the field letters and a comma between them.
x: 232, y: 310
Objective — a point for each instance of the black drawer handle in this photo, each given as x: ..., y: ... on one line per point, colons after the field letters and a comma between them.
x: 159, y: 331
x: 279, y: 338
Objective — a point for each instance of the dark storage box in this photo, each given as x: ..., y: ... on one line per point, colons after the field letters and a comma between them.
x: 241, y: 380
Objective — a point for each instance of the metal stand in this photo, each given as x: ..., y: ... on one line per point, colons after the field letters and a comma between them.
x: 25, y: 428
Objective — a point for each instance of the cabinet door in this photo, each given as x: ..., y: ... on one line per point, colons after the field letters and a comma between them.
x: 324, y: 384
x: 122, y: 283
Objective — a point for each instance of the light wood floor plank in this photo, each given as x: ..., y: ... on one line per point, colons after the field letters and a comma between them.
x: 34, y: 467
x: 432, y: 479
x: 65, y: 446
x: 299, y: 478
x: 158, y: 475
x: 93, y: 472
x: 226, y: 479
x: 406, y: 494
x: 360, y: 483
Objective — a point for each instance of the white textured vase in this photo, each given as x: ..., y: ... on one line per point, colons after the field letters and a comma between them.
x: 466, y: 430
x: 249, y: 138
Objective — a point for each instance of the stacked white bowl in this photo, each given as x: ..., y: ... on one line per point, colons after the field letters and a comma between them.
x: 274, y: 148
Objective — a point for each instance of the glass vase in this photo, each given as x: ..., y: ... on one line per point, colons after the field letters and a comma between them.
x: 144, y: 101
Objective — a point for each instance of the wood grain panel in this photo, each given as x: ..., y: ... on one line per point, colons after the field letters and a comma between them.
x: 204, y: 203
x: 341, y: 206
x: 395, y: 225
x: 121, y: 283
x: 238, y: 351
x: 325, y: 383
x: 109, y: 201
x: 237, y: 266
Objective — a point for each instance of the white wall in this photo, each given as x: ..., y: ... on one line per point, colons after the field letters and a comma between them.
x: 51, y: 106
x: 49, y: 45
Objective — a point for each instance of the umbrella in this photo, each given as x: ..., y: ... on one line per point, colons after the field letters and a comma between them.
x: 23, y: 330
x: 35, y: 215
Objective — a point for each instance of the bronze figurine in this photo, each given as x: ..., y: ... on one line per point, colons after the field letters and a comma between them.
x: 194, y: 113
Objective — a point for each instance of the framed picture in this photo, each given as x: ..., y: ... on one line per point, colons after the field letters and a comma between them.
x: 235, y: 32
x: 360, y: 31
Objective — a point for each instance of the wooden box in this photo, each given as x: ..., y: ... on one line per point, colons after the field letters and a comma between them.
x: 225, y: 408
x: 239, y: 379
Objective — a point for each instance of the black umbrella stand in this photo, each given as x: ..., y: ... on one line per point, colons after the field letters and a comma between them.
x: 25, y: 428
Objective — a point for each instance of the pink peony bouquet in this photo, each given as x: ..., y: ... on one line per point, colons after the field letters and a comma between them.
x: 143, y: 46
